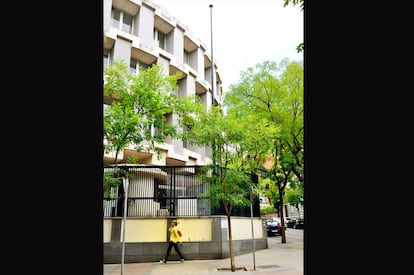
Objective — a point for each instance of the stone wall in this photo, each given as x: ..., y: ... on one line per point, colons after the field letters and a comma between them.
x: 216, y: 248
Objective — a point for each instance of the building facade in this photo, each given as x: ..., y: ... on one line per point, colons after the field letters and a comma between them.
x: 142, y: 33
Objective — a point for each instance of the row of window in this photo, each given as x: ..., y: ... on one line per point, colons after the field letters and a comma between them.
x: 134, y: 64
x: 124, y: 21
x: 121, y: 20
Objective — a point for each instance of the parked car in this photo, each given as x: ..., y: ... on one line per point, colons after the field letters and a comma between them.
x: 291, y: 223
x: 273, y: 228
x: 296, y: 224
x: 300, y: 224
x: 280, y: 221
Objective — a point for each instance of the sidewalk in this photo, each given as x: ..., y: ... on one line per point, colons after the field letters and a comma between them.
x: 279, y: 259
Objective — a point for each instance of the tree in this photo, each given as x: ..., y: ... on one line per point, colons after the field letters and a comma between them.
x: 272, y: 94
x: 136, y: 116
x: 229, y: 183
x: 109, y: 182
x: 140, y: 104
x: 294, y: 195
x: 293, y: 134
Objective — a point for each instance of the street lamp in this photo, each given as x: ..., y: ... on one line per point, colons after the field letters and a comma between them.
x: 211, y: 50
x: 125, y: 182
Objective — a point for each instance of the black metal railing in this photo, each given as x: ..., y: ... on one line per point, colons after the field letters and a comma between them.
x: 164, y: 191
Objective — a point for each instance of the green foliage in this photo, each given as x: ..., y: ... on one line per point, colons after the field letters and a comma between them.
x: 267, y: 210
x: 229, y: 182
x: 294, y: 196
x: 110, y: 181
x: 268, y: 104
x: 269, y: 97
x: 301, y: 3
x: 139, y: 104
x: 228, y: 188
x: 300, y: 47
x: 262, y: 111
x: 132, y: 160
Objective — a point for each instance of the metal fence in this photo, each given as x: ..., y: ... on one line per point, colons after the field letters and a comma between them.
x: 160, y: 191
x: 165, y: 191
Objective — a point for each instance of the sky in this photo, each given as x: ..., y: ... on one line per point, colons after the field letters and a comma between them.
x: 245, y: 32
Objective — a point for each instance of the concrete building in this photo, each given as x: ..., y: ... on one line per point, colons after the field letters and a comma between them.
x: 142, y: 33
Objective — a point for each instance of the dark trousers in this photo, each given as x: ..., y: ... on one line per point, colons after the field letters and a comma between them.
x: 171, y: 245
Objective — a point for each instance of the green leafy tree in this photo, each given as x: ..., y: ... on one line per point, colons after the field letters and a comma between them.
x: 294, y: 195
x: 109, y: 182
x: 272, y: 94
x: 292, y: 135
x: 139, y: 103
x: 137, y: 113
x: 271, y: 192
x: 229, y: 183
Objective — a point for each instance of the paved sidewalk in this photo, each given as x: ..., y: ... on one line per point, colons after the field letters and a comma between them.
x: 278, y: 259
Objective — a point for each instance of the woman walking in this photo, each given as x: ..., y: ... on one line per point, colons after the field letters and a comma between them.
x: 175, y: 238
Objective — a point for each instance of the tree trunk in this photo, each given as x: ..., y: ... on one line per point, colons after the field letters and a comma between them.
x: 281, y: 205
x: 232, y: 263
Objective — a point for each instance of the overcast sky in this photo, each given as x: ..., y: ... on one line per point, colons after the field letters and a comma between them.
x: 245, y: 32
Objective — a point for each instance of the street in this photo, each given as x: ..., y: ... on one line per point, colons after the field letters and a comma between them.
x: 292, y: 235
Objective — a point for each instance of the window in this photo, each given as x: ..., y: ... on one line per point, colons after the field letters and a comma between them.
x: 186, y: 58
x: 133, y: 66
x: 144, y: 66
x: 106, y: 58
x: 106, y: 106
x: 127, y: 23
x: 186, y: 129
x: 159, y: 131
x: 122, y: 20
x: 116, y: 16
x: 160, y: 39
x: 105, y: 109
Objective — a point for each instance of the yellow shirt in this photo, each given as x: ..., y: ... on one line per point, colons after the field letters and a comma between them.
x: 174, y: 237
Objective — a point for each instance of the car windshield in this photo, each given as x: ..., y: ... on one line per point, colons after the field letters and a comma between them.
x: 272, y: 223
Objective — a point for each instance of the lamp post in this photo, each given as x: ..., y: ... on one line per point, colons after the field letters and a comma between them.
x: 211, y: 50
x: 251, y: 222
x: 126, y: 184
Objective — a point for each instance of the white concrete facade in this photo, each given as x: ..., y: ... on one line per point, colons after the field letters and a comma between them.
x: 142, y: 33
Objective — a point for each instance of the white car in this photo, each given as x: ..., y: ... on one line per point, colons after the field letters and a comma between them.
x: 279, y: 220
